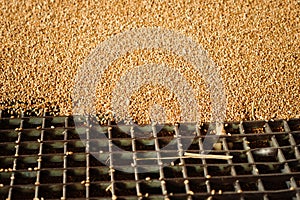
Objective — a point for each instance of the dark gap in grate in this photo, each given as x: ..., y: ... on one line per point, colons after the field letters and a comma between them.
x: 239, y: 157
x: 26, y: 177
x: 296, y: 136
x: 57, y: 121
x: 151, y: 187
x: 73, y: 134
x: 76, y: 190
x: 294, y: 166
x: 29, y: 148
x: 77, y: 160
x: 145, y: 144
x: 76, y: 146
x: 195, y: 171
x: 222, y: 186
x: 165, y: 136
x: 164, y: 141
x: 124, y: 144
x: 259, y: 157
x: 99, y: 174
x: 204, y: 128
x: 5, y: 178
x: 50, y: 192
x: 53, y: 147
x: 23, y: 192
x: 294, y: 125
x: 7, y: 149
x: 99, y: 190
x: 172, y: 172
x: 94, y: 162
x: 27, y: 162
x: 235, y: 145
x: 283, y: 140
x: 76, y: 175
x: 283, y: 195
x: 257, y: 127
x: 232, y: 128
x: 243, y: 169
x: 289, y: 153
x: 276, y: 126
x: 119, y: 175
x: 270, y: 168
x: 10, y: 124
x: 129, y: 187
x: 189, y: 161
x: 32, y: 123
x: 6, y: 162
x: 280, y: 184
x: 198, y: 186
x: 31, y: 135
x: 51, y: 176
x: 297, y: 180
x: 259, y: 142
x: 220, y: 170
x: 175, y: 186
x: 52, y: 161
x: 177, y: 161
x: 194, y: 147
x: 8, y: 136
x: 248, y: 185
x: 54, y: 134
x: 123, y: 132
x: 151, y: 175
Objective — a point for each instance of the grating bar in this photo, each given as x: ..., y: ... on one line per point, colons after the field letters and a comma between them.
x: 38, y: 173
x: 112, y: 186
x: 281, y: 157
x: 12, y: 178
x: 182, y: 162
x: 159, y: 162
x: 87, y: 152
x: 252, y: 161
x: 233, y: 171
x: 64, y: 189
x: 205, y: 170
x: 292, y: 142
x: 136, y: 176
x: 291, y: 139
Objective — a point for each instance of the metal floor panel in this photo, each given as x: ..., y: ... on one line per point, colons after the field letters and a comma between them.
x: 48, y: 158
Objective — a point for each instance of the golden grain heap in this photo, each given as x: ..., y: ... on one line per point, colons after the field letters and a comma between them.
x: 254, y: 43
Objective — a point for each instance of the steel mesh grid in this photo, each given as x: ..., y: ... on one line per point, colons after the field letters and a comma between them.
x: 44, y: 158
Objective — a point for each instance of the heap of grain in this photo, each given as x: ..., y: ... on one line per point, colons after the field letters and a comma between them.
x: 254, y: 43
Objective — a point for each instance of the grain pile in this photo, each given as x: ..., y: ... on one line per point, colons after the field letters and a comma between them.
x: 255, y: 44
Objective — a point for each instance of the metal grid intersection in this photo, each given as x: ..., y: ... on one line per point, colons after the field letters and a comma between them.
x: 48, y: 158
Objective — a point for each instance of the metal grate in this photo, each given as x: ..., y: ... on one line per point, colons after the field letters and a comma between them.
x: 44, y: 158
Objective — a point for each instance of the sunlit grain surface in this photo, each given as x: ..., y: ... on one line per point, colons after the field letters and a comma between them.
x: 255, y: 44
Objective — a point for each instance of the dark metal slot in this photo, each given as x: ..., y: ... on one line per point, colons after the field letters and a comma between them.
x: 176, y: 186
x: 53, y: 191
x: 75, y: 190
x: 294, y: 124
